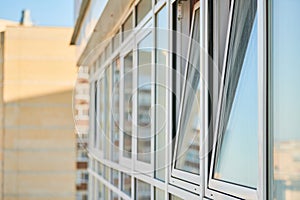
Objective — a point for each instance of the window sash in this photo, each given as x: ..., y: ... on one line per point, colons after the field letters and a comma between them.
x: 178, y: 176
x: 218, y: 185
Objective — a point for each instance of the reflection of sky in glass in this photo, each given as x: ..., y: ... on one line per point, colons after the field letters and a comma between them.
x: 237, y: 161
x: 286, y: 69
x: 285, y: 107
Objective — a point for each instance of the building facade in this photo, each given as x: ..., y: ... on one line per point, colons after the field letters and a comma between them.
x: 81, y: 118
x: 191, y: 99
x: 38, y: 144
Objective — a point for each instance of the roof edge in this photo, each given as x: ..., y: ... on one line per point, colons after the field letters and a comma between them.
x: 83, y: 8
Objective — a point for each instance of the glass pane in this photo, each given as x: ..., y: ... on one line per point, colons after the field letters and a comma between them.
x: 100, y: 190
x: 106, y: 192
x: 100, y: 168
x: 114, y: 196
x: 159, y: 194
x: 127, y: 27
x: 285, y: 95
x: 161, y: 53
x: 127, y: 126
x: 143, y: 190
x: 115, y: 177
x: 173, y: 197
x: 115, y: 110
x: 187, y: 155
x: 237, y: 156
x: 107, y: 51
x: 101, y: 118
x: 107, y: 118
x: 144, y: 100
x: 142, y: 9
x: 95, y: 115
x: 106, y: 172
x: 116, y: 41
x: 126, y: 184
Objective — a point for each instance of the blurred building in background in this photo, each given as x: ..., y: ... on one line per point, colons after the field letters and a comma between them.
x: 38, y: 144
x: 81, y: 117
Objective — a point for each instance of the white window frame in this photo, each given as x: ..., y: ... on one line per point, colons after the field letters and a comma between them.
x: 141, y: 166
x: 125, y: 161
x: 112, y: 122
x: 179, y: 177
x: 223, y: 190
x: 97, y: 151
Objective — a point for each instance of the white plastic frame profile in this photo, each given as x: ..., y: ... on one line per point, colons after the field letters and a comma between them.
x: 224, y: 190
x: 186, y: 180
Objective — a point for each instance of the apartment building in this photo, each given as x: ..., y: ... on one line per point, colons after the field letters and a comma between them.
x: 38, y: 144
x: 81, y: 118
x: 191, y: 99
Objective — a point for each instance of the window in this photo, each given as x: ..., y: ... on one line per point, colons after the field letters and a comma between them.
x: 106, y: 172
x: 115, y: 177
x: 159, y: 194
x: 114, y: 196
x: 161, y: 53
x: 284, y: 99
x: 127, y: 27
x: 102, y: 112
x: 106, y: 192
x: 186, y: 163
x: 236, y: 153
x: 100, y: 168
x: 144, y: 100
x: 143, y: 190
x: 95, y: 113
x: 115, y: 109
x: 173, y: 197
x: 127, y: 107
x: 143, y: 7
x: 116, y: 41
x: 126, y: 184
x: 107, y: 119
x: 100, y: 190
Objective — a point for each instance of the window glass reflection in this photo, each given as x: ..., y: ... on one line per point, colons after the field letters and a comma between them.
x: 142, y: 9
x: 101, y: 119
x: 144, y: 99
x: 107, y: 119
x: 127, y: 27
x: 126, y: 184
x: 285, y: 95
x: 127, y: 121
x: 161, y: 53
x: 237, y: 155
x: 115, y: 110
x: 159, y: 194
x: 143, y: 190
x: 187, y: 155
x: 96, y: 132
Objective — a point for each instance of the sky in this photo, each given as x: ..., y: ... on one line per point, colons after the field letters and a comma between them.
x: 43, y: 12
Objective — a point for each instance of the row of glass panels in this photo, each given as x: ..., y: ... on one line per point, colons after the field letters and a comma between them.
x: 236, y: 153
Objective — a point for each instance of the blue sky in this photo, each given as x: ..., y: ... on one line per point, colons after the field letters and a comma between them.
x: 43, y: 12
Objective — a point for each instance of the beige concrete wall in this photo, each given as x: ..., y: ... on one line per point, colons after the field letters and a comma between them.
x: 39, y: 140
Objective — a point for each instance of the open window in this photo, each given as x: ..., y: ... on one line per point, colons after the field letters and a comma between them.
x: 186, y: 160
x: 234, y: 168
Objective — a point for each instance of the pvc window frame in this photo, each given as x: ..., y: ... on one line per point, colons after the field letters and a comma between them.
x: 178, y: 177
x: 123, y: 160
x: 140, y: 36
x: 218, y: 189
